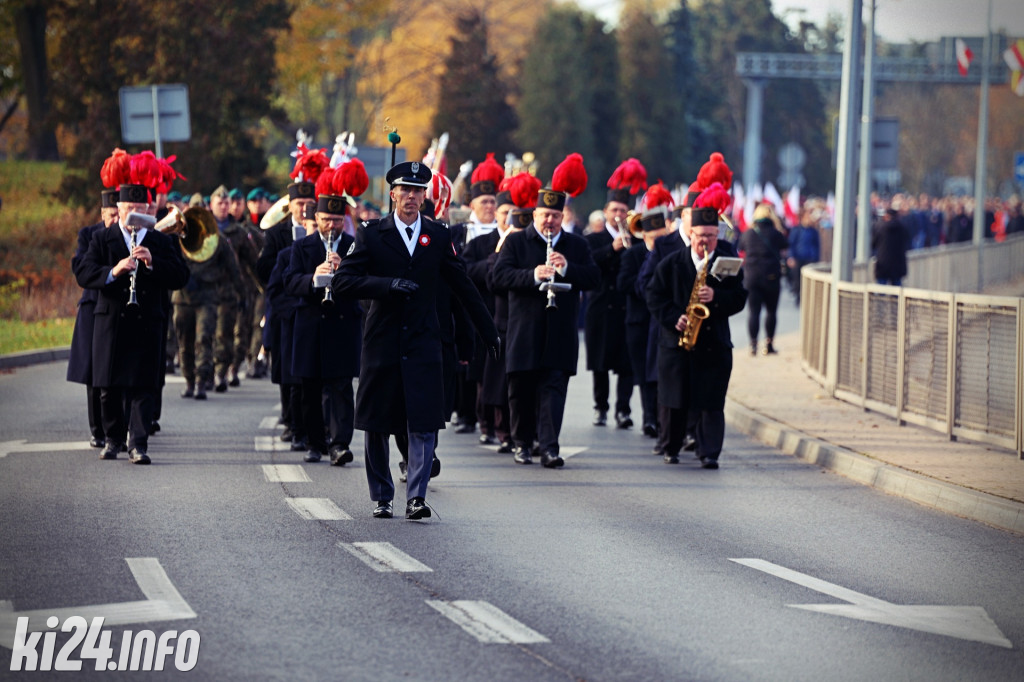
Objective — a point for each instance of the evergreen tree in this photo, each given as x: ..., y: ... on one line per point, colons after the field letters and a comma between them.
x: 473, y: 107
x: 555, y: 107
x: 601, y: 53
x: 654, y: 128
x: 697, y: 134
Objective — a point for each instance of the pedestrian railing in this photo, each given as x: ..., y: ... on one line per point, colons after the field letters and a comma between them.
x: 927, y: 355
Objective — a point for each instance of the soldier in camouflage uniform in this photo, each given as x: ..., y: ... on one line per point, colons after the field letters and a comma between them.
x: 215, y: 276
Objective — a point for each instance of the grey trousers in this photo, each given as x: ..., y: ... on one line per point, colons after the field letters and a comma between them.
x: 378, y: 470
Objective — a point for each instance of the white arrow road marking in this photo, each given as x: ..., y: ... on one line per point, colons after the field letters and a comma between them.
x: 317, y: 509
x: 163, y: 602
x: 963, y: 622
x: 7, y: 447
x: 285, y: 473
x: 565, y: 452
x: 486, y: 622
x: 384, y: 557
x: 271, y: 444
x: 271, y: 423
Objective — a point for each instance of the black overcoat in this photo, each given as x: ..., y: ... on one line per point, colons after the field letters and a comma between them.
x: 282, y: 321
x: 638, y: 318
x: 475, y: 254
x: 401, y: 379
x: 277, y: 237
x: 80, y: 358
x: 127, y: 346
x: 698, y: 378
x: 541, y: 337
x: 325, y: 339
x: 604, y: 324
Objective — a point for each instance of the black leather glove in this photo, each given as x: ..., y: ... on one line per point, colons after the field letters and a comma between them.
x: 403, y: 286
x: 495, y: 349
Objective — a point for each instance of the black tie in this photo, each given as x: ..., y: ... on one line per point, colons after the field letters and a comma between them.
x: 408, y: 231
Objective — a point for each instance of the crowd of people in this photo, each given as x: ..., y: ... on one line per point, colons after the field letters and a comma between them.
x: 476, y: 318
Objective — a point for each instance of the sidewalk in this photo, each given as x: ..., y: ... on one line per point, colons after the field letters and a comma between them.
x: 771, y: 399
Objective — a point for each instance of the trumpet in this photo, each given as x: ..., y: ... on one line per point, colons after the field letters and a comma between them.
x: 551, y: 287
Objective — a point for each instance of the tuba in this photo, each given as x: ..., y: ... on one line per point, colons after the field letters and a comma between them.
x: 696, y: 311
x: 275, y: 213
x: 199, y: 236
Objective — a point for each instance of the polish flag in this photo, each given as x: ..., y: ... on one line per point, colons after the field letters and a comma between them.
x: 739, y: 216
x: 1014, y: 56
x: 963, y: 56
x: 793, y: 206
x: 772, y: 196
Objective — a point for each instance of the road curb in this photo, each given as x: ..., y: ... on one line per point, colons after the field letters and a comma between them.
x: 971, y: 504
x: 34, y: 357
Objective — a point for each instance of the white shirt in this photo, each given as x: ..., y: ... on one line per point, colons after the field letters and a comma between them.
x: 410, y: 242
x: 611, y: 230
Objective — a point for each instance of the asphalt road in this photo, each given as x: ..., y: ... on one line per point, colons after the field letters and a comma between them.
x: 617, y: 567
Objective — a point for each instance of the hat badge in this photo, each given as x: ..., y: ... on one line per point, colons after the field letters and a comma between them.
x: 415, y: 167
x: 550, y: 199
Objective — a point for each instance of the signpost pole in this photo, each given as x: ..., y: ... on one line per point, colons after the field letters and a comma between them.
x: 156, y: 121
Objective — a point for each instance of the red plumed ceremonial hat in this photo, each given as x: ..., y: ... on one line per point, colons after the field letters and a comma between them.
x: 570, y: 176
x: 325, y: 183
x: 488, y: 170
x: 117, y: 170
x: 524, y: 188
x: 146, y: 170
x: 167, y: 175
x: 351, y: 177
x: 715, y: 170
x: 310, y: 164
x: 692, y: 193
x: 657, y: 195
x: 714, y: 197
x: 630, y: 175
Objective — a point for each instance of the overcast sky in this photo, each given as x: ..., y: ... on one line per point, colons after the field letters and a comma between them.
x: 896, y: 21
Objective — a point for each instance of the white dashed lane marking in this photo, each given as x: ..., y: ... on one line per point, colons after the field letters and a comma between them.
x: 285, y: 473
x: 270, y: 423
x: 384, y: 557
x: 486, y: 622
x: 271, y: 444
x: 317, y: 509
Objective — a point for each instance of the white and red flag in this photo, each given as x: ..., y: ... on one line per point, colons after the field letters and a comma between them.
x: 963, y: 56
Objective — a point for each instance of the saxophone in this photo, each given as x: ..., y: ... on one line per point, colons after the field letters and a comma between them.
x: 696, y: 312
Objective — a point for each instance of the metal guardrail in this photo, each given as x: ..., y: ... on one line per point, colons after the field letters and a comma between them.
x: 926, y: 353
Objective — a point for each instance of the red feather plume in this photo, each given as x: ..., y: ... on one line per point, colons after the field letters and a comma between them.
x: 570, y: 176
x: 117, y: 170
x: 325, y: 182
x: 488, y: 170
x: 167, y: 175
x: 657, y: 195
x: 351, y: 178
x: 310, y: 164
x: 630, y: 175
x: 715, y: 170
x: 524, y: 188
x: 146, y: 170
x: 715, y: 197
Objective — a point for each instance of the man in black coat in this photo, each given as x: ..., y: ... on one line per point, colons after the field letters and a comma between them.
x: 695, y: 379
x: 604, y: 328
x: 80, y: 359
x: 327, y: 334
x: 543, y: 344
x: 397, y: 262
x: 127, y: 349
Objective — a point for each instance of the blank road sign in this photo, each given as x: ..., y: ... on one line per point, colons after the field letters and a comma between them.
x: 137, y: 113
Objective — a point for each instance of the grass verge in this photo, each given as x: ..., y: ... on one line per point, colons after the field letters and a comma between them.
x: 17, y: 336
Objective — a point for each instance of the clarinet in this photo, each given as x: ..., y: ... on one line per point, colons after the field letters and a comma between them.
x: 550, y: 286
x: 328, y: 300
x: 133, y: 300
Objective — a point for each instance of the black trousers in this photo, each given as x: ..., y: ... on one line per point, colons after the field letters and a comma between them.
x: 710, y: 432
x: 623, y: 391
x: 649, y: 401
x: 536, y: 401
x: 127, y: 412
x: 328, y: 402
x: 762, y: 294
x: 92, y: 396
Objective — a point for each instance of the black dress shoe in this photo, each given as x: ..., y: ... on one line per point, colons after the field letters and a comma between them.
x: 435, y: 467
x: 402, y: 466
x: 95, y: 442
x: 200, y: 393
x: 299, y: 445
x: 221, y: 386
x: 312, y: 457
x: 466, y: 428
x: 689, y: 443
x: 506, y: 447
x: 551, y: 460
x: 286, y: 435
x: 189, y: 391
x: 623, y: 421
x: 600, y: 417
x: 671, y: 459
x: 138, y: 456
x: 110, y: 450
x: 416, y: 508
x: 522, y: 456
x: 234, y: 382
x: 487, y: 440
x: 708, y: 463
x: 383, y: 510
x: 340, y: 455
x: 154, y: 427
x: 650, y: 430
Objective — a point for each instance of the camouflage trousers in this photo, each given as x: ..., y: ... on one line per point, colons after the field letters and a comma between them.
x: 195, y: 327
